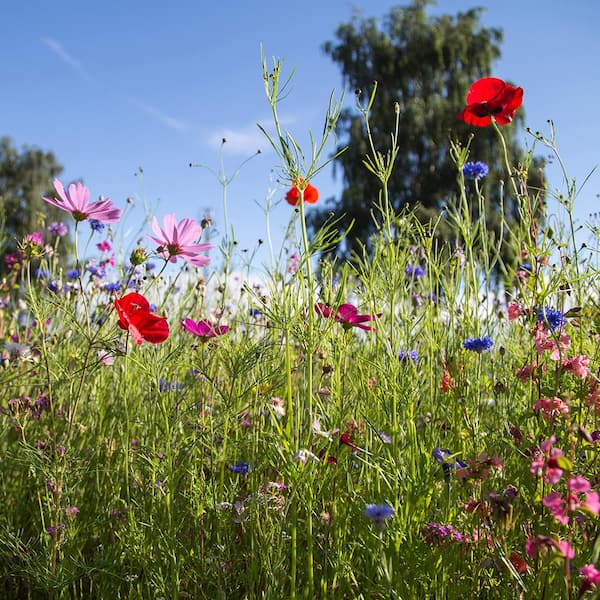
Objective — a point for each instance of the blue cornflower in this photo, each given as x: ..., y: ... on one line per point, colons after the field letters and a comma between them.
x: 241, y: 468
x: 410, y: 355
x: 447, y: 460
x: 72, y: 273
x: 379, y: 514
x: 552, y: 317
x: 414, y: 271
x: 526, y: 267
x: 98, y: 271
x: 475, y: 170
x: 150, y: 265
x: 54, y: 286
x: 481, y: 344
x: 112, y: 287
x: 97, y: 225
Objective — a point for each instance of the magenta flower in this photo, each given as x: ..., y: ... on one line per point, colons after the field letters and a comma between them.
x: 546, y: 462
x: 591, y: 578
x: 556, y: 504
x: 347, y: 315
x: 77, y: 202
x: 204, y: 329
x: 179, y: 239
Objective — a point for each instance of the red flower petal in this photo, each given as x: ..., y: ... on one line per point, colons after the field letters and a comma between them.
x: 135, y: 316
x: 485, y: 90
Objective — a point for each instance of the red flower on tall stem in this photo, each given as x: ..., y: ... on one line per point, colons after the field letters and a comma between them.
x: 491, y: 98
x: 135, y: 316
x: 311, y: 194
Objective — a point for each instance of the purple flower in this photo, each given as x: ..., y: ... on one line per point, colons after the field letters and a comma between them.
x: 58, y: 229
x: 436, y: 533
x: 72, y: 274
x: 410, y: 355
x: 241, y: 468
x: 97, y: 225
x: 446, y: 458
x: 112, y: 287
x: 379, y: 514
x: 414, y: 271
x: 98, y: 271
x: 482, y: 344
x: 475, y: 170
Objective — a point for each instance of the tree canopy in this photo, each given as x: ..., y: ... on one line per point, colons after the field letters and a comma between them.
x: 424, y: 65
x: 25, y: 175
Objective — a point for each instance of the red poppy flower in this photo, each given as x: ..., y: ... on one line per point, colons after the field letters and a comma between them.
x: 489, y: 98
x: 135, y: 316
x: 311, y: 194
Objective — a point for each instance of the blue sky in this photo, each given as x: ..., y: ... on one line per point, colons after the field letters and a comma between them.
x: 113, y: 86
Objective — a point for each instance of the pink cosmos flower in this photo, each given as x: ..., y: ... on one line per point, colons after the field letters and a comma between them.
x: 204, y: 329
x: 77, y: 202
x: 578, y: 365
x: 179, y: 239
x: 347, y: 315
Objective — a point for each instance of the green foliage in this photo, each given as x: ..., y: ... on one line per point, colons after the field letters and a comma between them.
x: 25, y: 176
x: 240, y: 466
x: 423, y: 67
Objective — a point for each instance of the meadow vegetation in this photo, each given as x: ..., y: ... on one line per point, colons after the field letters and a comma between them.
x: 418, y: 422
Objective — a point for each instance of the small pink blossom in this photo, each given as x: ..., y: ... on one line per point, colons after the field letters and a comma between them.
x: 529, y: 371
x: 180, y: 240
x: 556, y: 504
x: 561, y: 547
x: 546, y: 340
x: 77, y: 202
x: 579, y: 486
x: 593, y: 398
x: 551, y: 407
x: 35, y: 238
x: 545, y: 462
x: 565, y: 550
x: 514, y: 311
x: 578, y: 365
x: 104, y: 246
x: 591, y: 578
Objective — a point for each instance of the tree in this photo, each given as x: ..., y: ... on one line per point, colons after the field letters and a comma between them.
x: 25, y: 176
x: 424, y: 65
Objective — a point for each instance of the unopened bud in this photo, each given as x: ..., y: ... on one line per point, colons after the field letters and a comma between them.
x: 138, y: 256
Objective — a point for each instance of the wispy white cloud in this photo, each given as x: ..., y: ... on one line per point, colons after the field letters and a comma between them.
x: 158, y: 115
x: 74, y: 63
x: 66, y: 57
